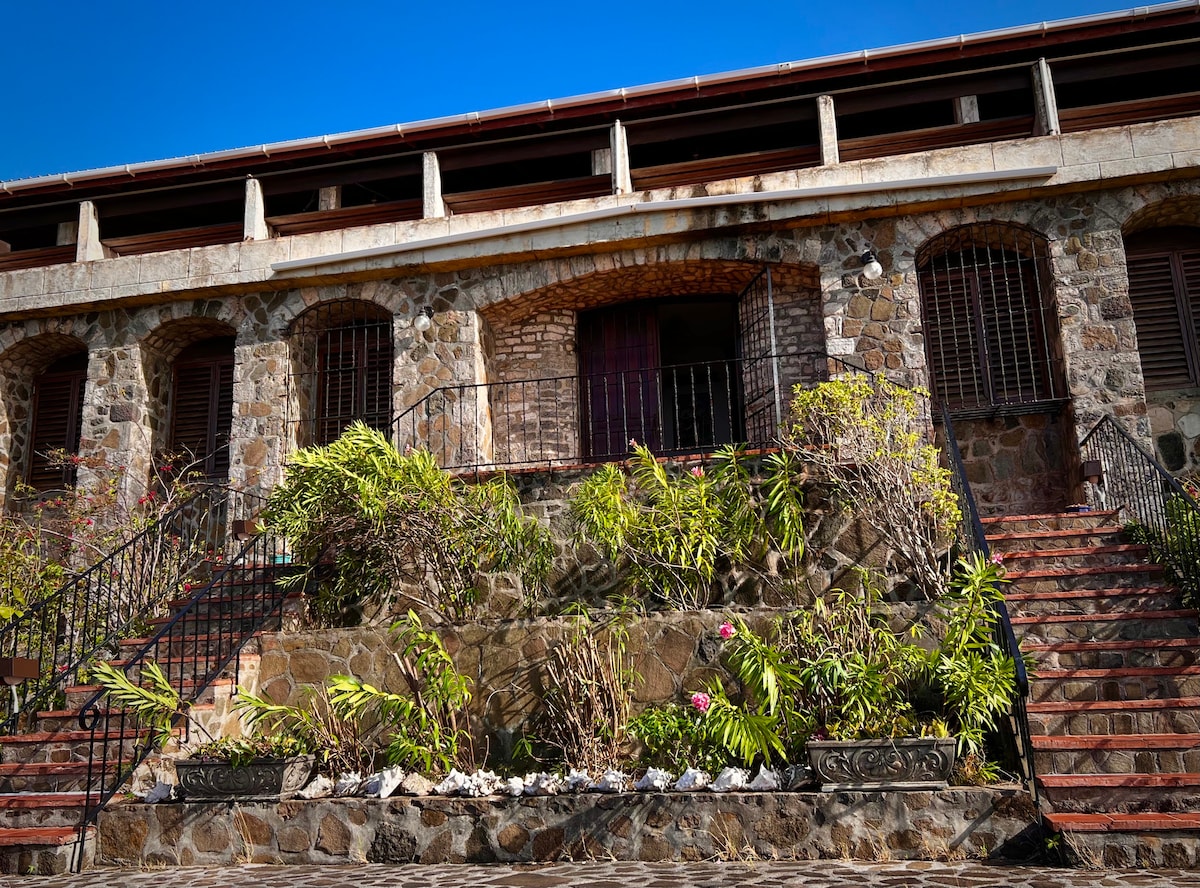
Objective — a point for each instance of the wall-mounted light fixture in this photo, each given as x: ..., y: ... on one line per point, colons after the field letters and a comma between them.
x: 872, y: 270
x: 1093, y: 471
x: 424, y: 319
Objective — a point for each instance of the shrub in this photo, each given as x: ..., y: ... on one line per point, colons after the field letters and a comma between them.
x: 672, y: 532
x: 675, y: 737
x: 868, y: 438
x: 388, y: 523
x: 1176, y: 545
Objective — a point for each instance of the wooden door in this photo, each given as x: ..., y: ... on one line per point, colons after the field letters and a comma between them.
x: 202, y: 408
x: 619, y: 365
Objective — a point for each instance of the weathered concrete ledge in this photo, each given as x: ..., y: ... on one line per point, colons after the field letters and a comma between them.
x: 955, y: 823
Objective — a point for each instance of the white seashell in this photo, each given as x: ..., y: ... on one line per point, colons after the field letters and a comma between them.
x: 542, y: 784
x: 610, y: 781
x: 348, y: 784
x: 453, y: 783
x: 655, y: 780
x: 319, y: 788
x: 578, y: 781
x: 691, y: 780
x: 766, y: 780
x: 730, y: 780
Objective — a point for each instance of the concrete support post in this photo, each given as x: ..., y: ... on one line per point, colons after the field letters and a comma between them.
x: 622, y: 181
x: 329, y: 198
x: 87, y: 246
x: 601, y: 161
x: 1045, y: 104
x: 827, y: 125
x: 433, y: 207
x: 254, y: 224
x: 68, y: 233
x: 966, y: 109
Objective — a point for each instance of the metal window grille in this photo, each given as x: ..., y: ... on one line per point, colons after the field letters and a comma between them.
x: 343, y: 364
x: 990, y: 331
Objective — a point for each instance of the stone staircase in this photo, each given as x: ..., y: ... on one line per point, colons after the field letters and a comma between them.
x: 44, y: 771
x: 1114, y: 705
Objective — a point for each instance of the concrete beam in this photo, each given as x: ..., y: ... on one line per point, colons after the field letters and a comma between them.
x: 254, y: 223
x: 622, y: 181
x: 329, y: 198
x: 1045, y: 104
x: 88, y: 247
x: 432, y: 205
x: 601, y: 161
x: 827, y: 125
x: 68, y: 233
x: 966, y: 109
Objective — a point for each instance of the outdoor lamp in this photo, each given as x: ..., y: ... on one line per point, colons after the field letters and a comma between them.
x: 424, y: 319
x: 872, y: 270
x: 1092, y: 471
x: 14, y: 670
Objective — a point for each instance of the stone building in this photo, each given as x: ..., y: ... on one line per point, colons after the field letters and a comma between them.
x: 539, y: 284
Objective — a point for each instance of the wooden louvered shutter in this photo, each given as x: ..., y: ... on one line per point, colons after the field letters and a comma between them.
x: 202, y: 408
x: 57, y: 421
x: 1163, y: 289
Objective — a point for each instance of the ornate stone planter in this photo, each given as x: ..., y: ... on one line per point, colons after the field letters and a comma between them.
x: 908, y: 763
x: 260, y: 780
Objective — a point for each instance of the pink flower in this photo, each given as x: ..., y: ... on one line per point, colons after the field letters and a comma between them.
x: 998, y: 558
x: 633, y: 442
x: 727, y: 631
x: 698, y: 471
x: 701, y: 701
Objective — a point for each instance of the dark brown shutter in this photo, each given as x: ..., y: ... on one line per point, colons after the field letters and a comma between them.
x: 202, y: 408
x: 1160, y: 325
x: 619, y: 359
x: 354, y: 379
x: 57, y: 422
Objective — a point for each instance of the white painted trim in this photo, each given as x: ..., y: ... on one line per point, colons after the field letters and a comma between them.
x: 689, y: 203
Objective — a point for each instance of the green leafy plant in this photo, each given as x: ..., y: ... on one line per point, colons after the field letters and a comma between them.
x: 869, y: 439
x: 672, y: 532
x: 389, y: 524
x: 675, y: 737
x: 358, y: 725
x: 239, y: 751
x: 156, y: 704
x: 1177, y: 544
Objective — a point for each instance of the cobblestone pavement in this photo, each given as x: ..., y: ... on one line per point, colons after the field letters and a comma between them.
x: 823, y: 874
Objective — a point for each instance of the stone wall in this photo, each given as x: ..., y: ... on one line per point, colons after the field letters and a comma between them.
x: 955, y: 823
x: 1017, y: 464
x: 1175, y: 424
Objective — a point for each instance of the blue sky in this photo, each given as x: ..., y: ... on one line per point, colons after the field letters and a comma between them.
x: 92, y: 83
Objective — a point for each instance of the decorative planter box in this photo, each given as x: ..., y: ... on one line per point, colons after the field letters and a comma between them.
x: 260, y: 780
x: 908, y: 763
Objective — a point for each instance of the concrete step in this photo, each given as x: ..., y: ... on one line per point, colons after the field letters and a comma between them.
x: 43, y: 777
x: 45, y: 851
x: 192, y: 645
x: 1003, y: 524
x: 1121, y: 793
x: 1121, y: 841
x: 1025, y: 560
x: 1094, y: 601
x: 1143, y: 683
x: 1083, y: 717
x: 1012, y: 541
x: 78, y: 695
x: 1114, y: 654
x: 1054, y: 579
x: 1106, y: 627
x: 35, y: 809
x: 1117, y: 754
x: 63, y: 746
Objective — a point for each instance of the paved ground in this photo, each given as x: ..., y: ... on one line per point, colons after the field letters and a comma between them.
x: 830, y: 874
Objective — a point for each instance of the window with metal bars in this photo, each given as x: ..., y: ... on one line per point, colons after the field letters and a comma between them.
x: 344, y: 358
x: 57, y: 420
x: 990, y: 332
x: 202, y: 407
x: 1164, y: 289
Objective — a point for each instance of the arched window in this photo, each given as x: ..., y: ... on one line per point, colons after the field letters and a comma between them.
x: 990, y: 332
x: 344, y: 355
x: 202, y: 406
x: 1164, y: 289
x: 57, y: 421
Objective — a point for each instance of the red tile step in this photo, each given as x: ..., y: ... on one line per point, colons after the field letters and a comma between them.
x: 1054, y: 572
x: 1072, y: 594
x: 1134, y: 645
x: 41, y: 835
x: 1124, y: 672
x: 66, y: 737
x: 1049, y: 516
x: 1118, y: 781
x: 1054, y: 706
x: 1118, y: 741
x: 1144, y: 822
x: 43, y: 769
x: 23, y: 800
x: 1105, y: 618
x: 1119, y: 549
x: 1013, y: 536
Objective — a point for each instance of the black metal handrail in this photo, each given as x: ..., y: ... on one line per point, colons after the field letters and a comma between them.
x: 201, y: 642
x: 1157, y: 507
x: 974, y: 539
x: 572, y: 419
x: 91, y: 612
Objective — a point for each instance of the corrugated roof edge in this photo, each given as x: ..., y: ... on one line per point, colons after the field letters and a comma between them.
x: 549, y: 105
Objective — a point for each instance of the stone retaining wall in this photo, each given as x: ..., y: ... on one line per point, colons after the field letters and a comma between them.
x: 955, y: 823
